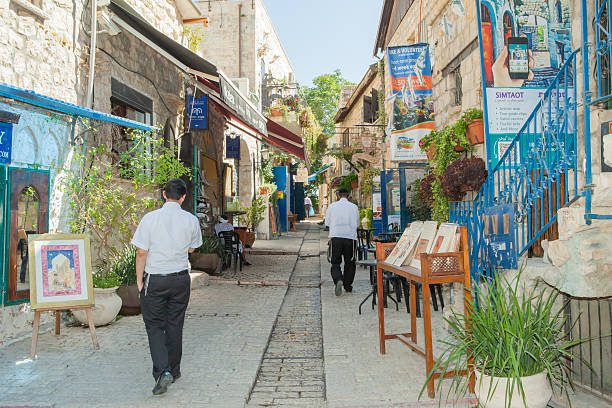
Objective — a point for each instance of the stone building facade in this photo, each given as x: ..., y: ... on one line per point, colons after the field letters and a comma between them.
x: 44, y: 47
x: 241, y: 40
x: 357, y: 129
x: 450, y: 29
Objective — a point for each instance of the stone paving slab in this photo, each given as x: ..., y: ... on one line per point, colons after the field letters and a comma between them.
x: 357, y: 375
x: 223, y: 345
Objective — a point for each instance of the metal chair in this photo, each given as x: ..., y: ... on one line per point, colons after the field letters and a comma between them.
x: 231, y: 244
x: 363, y: 243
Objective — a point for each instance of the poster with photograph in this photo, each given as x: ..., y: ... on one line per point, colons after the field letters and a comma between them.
x: 524, y: 43
x: 62, y: 271
x: 412, y: 113
x: 376, y: 199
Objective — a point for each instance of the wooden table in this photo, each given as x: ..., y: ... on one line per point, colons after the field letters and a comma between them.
x: 292, y: 218
x: 435, y: 269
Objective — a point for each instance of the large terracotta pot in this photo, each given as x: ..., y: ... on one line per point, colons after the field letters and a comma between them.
x: 130, y: 300
x: 493, y: 395
x: 354, y: 184
x: 431, y: 152
x: 475, y: 131
x: 209, y: 263
x: 105, y: 310
x: 276, y: 112
x: 241, y: 231
x: 249, y: 239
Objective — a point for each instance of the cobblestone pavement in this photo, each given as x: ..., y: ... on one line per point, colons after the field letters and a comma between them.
x: 282, y: 345
x: 291, y: 372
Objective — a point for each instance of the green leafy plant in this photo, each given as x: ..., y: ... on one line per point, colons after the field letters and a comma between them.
x: 106, y: 279
x: 366, y: 183
x: 366, y: 213
x: 124, y: 265
x: 418, y: 208
x: 212, y: 244
x: 510, y: 334
x: 254, y: 214
x: 460, y: 127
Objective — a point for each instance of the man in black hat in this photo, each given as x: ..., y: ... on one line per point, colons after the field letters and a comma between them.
x: 342, y: 218
x: 164, y: 239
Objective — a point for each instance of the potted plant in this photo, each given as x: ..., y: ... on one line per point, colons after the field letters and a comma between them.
x: 252, y: 218
x: 125, y: 266
x: 471, y: 126
x: 516, y: 345
x: 461, y: 175
x: 208, y: 257
x: 427, y: 146
x: 107, y: 301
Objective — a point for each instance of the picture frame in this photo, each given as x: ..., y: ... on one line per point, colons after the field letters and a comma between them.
x: 60, y: 271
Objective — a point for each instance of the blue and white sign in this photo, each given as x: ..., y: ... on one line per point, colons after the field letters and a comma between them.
x: 6, y: 141
x: 197, y: 113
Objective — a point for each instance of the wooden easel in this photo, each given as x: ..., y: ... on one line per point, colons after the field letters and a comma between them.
x: 92, y: 328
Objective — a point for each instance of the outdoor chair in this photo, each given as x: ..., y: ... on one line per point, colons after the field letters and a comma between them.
x: 231, y: 244
x: 363, y: 243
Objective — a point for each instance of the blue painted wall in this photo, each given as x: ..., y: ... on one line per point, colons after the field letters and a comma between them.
x: 281, y: 181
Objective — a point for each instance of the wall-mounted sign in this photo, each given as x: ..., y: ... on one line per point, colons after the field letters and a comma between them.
x: 499, y: 237
x: 6, y: 142
x: 523, y: 46
x: 197, y: 113
x: 606, y: 147
x: 232, y: 147
x: 235, y: 100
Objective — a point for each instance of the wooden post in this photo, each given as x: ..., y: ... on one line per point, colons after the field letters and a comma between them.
x: 35, y: 333
x: 429, y: 360
x: 57, y: 322
x: 381, y: 309
x: 92, y: 328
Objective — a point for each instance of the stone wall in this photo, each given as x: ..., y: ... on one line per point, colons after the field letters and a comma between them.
x: 161, y: 14
x: 40, y: 48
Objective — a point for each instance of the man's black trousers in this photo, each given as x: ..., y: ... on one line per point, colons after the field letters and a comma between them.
x: 163, y: 305
x: 343, y: 249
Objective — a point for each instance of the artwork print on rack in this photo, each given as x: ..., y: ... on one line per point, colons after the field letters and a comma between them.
x: 61, y: 270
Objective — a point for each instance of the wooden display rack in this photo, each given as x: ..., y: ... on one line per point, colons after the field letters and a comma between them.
x: 436, y: 268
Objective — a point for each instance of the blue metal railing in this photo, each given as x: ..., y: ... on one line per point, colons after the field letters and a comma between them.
x: 603, y: 49
x: 536, y: 174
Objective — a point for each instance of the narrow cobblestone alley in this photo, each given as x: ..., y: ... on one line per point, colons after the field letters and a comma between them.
x: 292, y: 368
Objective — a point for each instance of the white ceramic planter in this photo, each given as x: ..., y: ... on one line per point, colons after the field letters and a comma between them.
x: 108, y: 304
x: 537, y: 391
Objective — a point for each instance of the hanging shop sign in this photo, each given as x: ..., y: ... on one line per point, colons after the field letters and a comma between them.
x: 6, y: 142
x: 523, y: 45
x: 232, y: 147
x: 197, y: 112
x: 412, y: 114
x: 499, y: 237
x: 235, y: 100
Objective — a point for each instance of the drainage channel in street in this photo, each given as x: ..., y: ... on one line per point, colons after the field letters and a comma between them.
x: 292, y: 368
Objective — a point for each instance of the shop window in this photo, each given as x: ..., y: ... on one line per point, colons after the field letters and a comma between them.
x: 457, y: 86
x: 368, y: 113
x: 29, y: 208
x: 131, y: 104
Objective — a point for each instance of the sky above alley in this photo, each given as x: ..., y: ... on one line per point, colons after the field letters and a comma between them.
x: 320, y: 36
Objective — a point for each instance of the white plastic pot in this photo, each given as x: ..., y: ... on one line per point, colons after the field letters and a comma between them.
x: 537, y: 391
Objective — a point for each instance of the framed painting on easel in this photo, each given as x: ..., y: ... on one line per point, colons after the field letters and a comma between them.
x: 60, y: 278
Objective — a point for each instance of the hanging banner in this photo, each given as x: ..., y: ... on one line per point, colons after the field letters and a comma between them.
x: 412, y: 115
x: 376, y: 199
x: 232, y: 147
x: 524, y: 43
x: 197, y: 112
x: 6, y: 142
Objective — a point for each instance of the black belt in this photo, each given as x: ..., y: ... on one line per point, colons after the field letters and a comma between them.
x: 183, y: 272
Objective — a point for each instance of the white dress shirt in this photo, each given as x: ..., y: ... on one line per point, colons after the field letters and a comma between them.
x: 167, y: 234
x: 342, y: 218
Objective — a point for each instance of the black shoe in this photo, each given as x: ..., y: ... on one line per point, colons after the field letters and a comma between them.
x: 247, y: 263
x: 348, y: 289
x: 175, y: 377
x: 161, y: 386
x: 338, y: 290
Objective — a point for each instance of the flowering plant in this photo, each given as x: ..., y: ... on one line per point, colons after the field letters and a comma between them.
x: 291, y: 102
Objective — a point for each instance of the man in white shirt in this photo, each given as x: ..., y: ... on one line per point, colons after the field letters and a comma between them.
x: 342, y: 218
x: 307, y: 205
x: 164, y: 239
